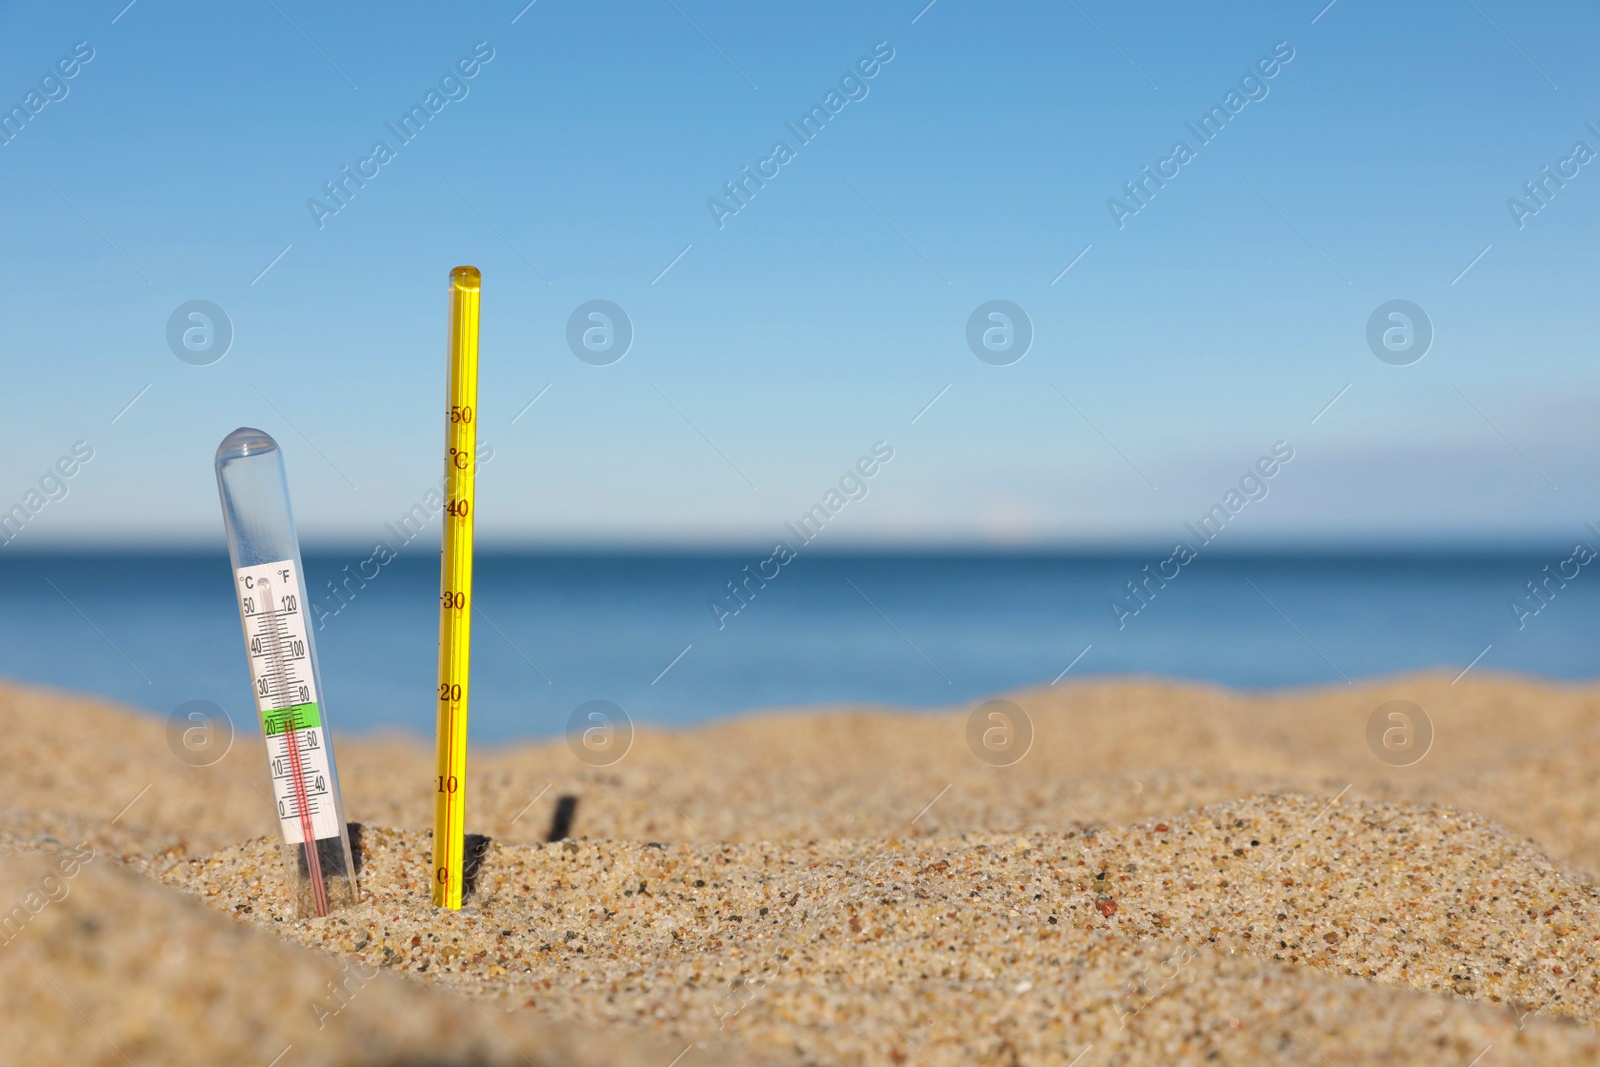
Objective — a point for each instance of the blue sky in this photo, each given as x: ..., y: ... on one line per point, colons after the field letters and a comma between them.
x: 773, y: 351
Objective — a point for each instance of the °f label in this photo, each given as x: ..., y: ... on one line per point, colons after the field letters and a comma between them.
x: 286, y: 696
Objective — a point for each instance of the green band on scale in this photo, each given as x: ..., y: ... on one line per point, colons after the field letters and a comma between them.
x: 303, y: 717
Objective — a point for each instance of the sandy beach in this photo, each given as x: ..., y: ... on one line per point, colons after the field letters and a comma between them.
x: 1169, y: 874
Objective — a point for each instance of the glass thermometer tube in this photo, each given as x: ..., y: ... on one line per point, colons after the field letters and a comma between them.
x: 269, y: 584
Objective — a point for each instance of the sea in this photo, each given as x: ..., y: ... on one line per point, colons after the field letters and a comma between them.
x: 665, y: 637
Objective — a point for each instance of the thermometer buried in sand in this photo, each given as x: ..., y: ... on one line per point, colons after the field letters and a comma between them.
x: 283, y: 672
x: 455, y: 591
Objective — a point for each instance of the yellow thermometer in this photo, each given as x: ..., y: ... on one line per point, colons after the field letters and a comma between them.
x: 455, y: 590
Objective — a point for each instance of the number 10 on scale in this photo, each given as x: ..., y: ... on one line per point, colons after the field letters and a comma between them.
x: 455, y: 591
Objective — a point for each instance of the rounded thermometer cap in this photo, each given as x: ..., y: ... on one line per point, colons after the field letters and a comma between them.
x: 245, y: 441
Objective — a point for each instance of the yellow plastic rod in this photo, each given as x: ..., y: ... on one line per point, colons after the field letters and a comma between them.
x: 455, y: 590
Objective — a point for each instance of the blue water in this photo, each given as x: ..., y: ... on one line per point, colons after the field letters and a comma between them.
x: 554, y: 631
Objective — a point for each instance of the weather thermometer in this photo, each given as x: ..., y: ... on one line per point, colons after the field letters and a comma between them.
x: 455, y: 590
x: 270, y: 587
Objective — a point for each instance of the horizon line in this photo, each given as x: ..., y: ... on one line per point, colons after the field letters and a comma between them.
x: 1101, y: 548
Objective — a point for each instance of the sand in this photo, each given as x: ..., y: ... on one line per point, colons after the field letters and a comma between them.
x: 1170, y: 874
